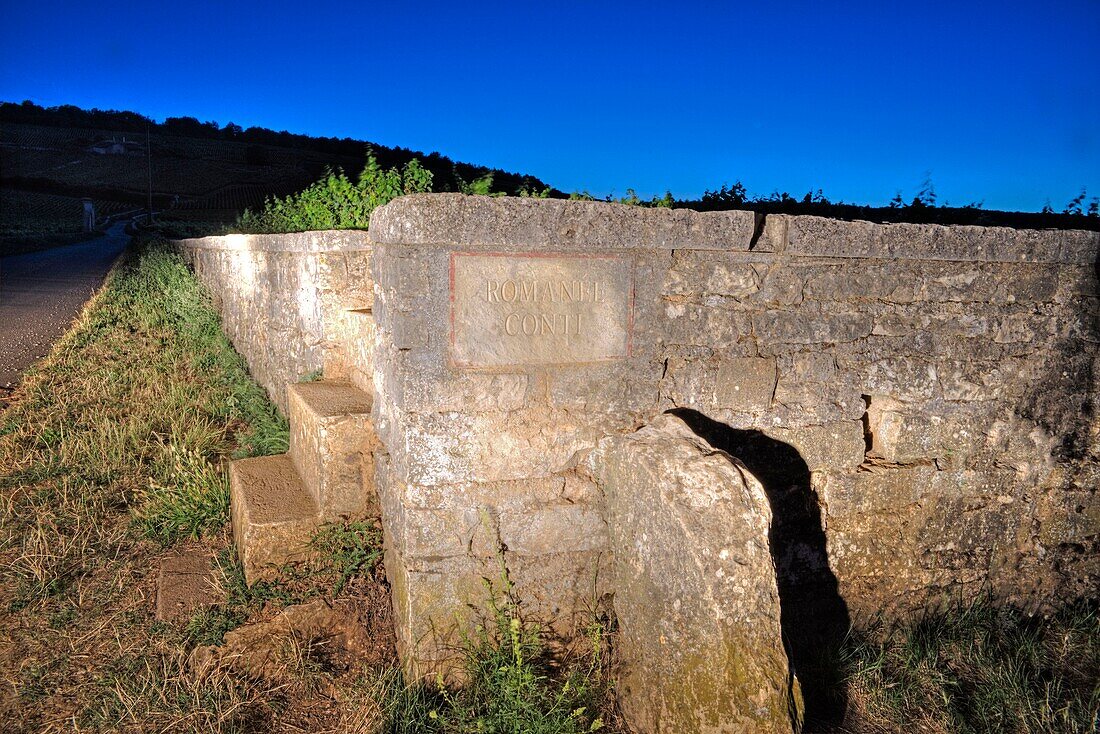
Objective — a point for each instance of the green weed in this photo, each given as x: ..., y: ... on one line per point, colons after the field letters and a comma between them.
x: 312, y: 376
x: 347, y: 550
x: 510, y: 685
x: 193, y: 499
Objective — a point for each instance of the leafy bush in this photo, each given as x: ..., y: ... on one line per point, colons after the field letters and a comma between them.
x: 335, y: 202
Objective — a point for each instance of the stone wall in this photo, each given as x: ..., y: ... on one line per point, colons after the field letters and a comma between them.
x: 919, y: 401
x: 292, y: 304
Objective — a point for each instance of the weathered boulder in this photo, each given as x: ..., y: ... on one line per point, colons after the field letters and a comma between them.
x: 695, y: 587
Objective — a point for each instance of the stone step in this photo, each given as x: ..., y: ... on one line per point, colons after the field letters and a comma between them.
x: 186, y: 583
x: 349, y: 349
x: 331, y: 440
x: 274, y: 515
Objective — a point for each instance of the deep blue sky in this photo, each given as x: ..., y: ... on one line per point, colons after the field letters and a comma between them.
x: 998, y: 101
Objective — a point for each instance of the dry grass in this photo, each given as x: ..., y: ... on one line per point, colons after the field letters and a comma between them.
x: 112, y: 450
x: 978, y: 669
x: 112, y: 453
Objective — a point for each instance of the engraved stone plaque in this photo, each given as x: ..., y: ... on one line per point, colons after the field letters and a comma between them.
x: 539, y: 308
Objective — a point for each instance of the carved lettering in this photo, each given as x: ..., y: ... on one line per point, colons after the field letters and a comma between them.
x: 539, y: 309
x: 534, y: 291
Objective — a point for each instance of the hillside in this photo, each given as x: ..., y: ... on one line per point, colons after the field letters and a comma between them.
x: 201, y: 172
x: 50, y: 158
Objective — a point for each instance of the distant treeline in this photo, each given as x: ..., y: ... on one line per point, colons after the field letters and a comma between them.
x: 1081, y: 212
x: 448, y: 175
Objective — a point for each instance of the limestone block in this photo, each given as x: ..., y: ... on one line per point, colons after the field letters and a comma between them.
x: 879, y: 491
x: 494, y: 446
x: 808, y: 325
x: 273, y: 514
x: 412, y: 298
x: 185, y: 583
x: 346, y: 280
x: 720, y: 385
x: 1069, y: 517
x: 904, y: 538
x: 622, y: 388
x: 863, y: 280
x: 811, y: 379
x: 1004, y: 244
x: 964, y: 243
x: 746, y: 384
x: 544, y: 489
x: 829, y: 404
x: 773, y: 235
x: 698, y: 273
x: 717, y: 328
x: 695, y: 588
x: 349, y: 346
x: 833, y: 446
x: 561, y: 591
x: 941, y: 432
x: 528, y: 528
x: 511, y: 222
x: 469, y: 530
x: 331, y: 444
x: 821, y: 236
x: 688, y: 383
x: 1078, y: 246
x: 983, y: 379
x: 811, y: 367
x: 909, y: 281
x: 906, y: 379
x: 451, y: 391
x: 433, y: 600
x: 781, y: 284
x: 1076, y: 280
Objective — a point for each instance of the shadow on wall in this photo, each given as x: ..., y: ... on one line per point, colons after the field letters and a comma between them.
x: 1060, y: 401
x: 1064, y: 401
x: 814, y: 617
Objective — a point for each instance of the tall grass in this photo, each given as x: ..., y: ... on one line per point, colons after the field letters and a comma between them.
x: 120, y: 435
x: 979, y: 669
x: 136, y: 408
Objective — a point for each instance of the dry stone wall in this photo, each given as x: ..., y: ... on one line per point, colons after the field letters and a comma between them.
x: 292, y: 304
x: 918, y: 404
x: 919, y: 400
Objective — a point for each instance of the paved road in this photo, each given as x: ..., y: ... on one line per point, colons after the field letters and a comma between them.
x: 42, y: 292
